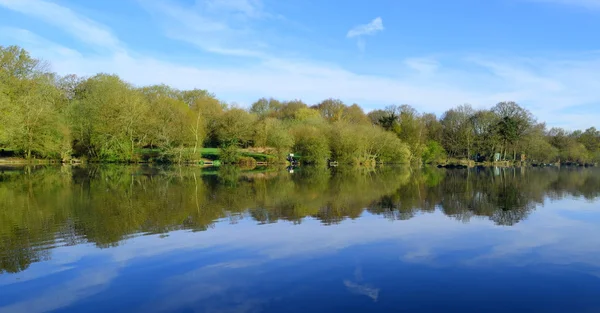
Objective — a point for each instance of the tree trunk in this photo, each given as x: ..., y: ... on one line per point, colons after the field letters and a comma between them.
x: 180, y: 152
x: 132, y: 147
x: 196, y: 130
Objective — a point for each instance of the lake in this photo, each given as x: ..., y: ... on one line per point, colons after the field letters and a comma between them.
x: 185, y: 239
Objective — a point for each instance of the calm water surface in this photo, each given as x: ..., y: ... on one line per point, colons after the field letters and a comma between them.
x: 143, y: 239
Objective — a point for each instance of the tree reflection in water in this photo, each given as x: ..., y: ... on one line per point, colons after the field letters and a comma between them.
x: 42, y: 208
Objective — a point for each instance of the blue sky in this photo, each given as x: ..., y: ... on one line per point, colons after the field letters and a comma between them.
x: 431, y: 54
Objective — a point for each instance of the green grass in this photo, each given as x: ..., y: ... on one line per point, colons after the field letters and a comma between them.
x: 260, y: 157
x: 210, y: 153
x: 213, y: 154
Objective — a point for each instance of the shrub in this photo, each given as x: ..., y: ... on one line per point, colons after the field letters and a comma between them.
x: 230, y: 154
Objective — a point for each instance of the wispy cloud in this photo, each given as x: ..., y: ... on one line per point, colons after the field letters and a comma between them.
x: 38, y: 43
x: 80, y: 27
x: 560, y: 89
x: 591, y: 4
x: 216, y: 26
x: 422, y: 65
x: 369, y: 29
x: 247, y: 8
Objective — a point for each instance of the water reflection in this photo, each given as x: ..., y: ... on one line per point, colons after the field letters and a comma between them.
x: 105, y: 205
x: 182, y: 239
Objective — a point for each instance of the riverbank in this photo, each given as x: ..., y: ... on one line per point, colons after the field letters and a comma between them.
x: 471, y: 163
x: 248, y: 161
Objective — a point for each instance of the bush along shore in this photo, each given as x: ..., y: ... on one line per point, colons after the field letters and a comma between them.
x: 46, y: 117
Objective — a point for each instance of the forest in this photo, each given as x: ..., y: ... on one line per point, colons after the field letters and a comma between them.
x: 102, y: 118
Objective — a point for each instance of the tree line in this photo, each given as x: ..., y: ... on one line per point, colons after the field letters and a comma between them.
x: 103, y: 118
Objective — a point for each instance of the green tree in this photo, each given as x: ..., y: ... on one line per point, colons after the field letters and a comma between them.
x: 207, y: 109
x: 590, y: 138
x: 265, y: 107
x: 311, y: 143
x: 331, y: 109
x: 487, y: 141
x: 354, y: 114
x: 173, y: 125
x: 434, y: 153
x: 30, y: 107
x: 514, y: 121
x: 279, y: 138
x: 410, y: 128
x: 433, y: 126
x: 289, y: 109
x: 109, y: 119
x: 539, y: 150
x: 234, y: 130
x: 458, y: 133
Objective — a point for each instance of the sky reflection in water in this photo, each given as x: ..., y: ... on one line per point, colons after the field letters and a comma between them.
x: 431, y: 240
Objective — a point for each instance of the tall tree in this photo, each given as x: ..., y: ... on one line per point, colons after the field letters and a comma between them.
x: 513, y: 122
x: 235, y: 127
x: 458, y: 134
x: 265, y: 107
x: 30, y: 107
x: 331, y: 109
x: 487, y: 141
x: 207, y: 109
x: 409, y: 126
x: 173, y: 125
x: 109, y: 119
x: 354, y: 114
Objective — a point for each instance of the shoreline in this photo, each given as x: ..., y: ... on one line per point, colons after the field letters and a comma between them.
x: 455, y: 164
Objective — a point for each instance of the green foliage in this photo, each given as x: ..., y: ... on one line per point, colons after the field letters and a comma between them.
x: 109, y: 119
x: 312, y: 144
x: 331, y: 109
x: 288, y: 110
x: 247, y: 162
x: 229, y: 154
x: 366, y: 144
x: 111, y: 204
x: 280, y: 138
x: 172, y: 126
x: 235, y: 127
x: 31, y: 120
x: 390, y: 149
x: 434, y: 153
x: 354, y: 114
x: 209, y: 108
x: 407, y: 124
x: 103, y: 118
x: 265, y: 107
x: 457, y: 131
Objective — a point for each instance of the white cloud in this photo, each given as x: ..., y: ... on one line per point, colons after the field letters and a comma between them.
x: 86, y: 284
x: 249, y: 8
x: 360, y: 31
x: 550, y: 87
x: 422, y: 65
x: 80, y: 27
x: 548, y: 237
x: 216, y: 26
x: 53, y: 50
x: 591, y: 4
x: 371, y: 28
